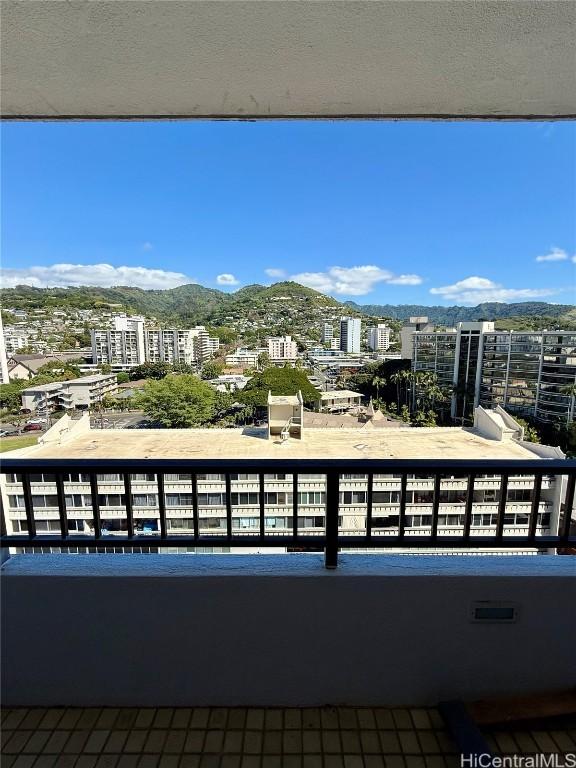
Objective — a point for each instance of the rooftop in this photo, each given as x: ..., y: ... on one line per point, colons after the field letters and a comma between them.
x: 433, y: 442
x: 337, y: 393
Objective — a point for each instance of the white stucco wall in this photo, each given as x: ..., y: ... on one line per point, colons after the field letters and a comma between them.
x: 309, y: 58
x: 225, y: 630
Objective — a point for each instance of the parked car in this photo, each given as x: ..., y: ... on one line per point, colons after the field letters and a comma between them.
x: 8, y: 432
x: 33, y: 428
x: 38, y: 420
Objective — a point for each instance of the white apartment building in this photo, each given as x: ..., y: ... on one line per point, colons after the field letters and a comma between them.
x: 3, y: 357
x: 327, y: 333
x: 123, y: 345
x: 529, y: 373
x: 129, y: 344
x: 83, y: 393
x: 408, y: 329
x: 378, y: 338
x: 282, y: 348
x: 15, y: 339
x: 244, y: 357
x: 350, y: 330
x: 495, y: 434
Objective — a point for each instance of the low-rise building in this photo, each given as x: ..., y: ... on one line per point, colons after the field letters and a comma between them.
x: 340, y: 399
x: 237, y: 498
x: 82, y: 393
x: 244, y: 357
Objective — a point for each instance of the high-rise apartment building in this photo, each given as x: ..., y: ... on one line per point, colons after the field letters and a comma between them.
x: 282, y: 348
x: 327, y: 333
x: 123, y: 345
x: 378, y: 338
x: 528, y: 373
x: 129, y: 344
x: 3, y: 359
x: 414, y: 324
x: 350, y: 329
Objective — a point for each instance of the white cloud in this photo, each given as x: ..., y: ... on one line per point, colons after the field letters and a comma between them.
x: 406, y: 280
x: 273, y: 272
x: 574, y: 258
x: 99, y: 275
x: 475, y: 290
x: 556, y: 254
x: 352, y: 281
x: 227, y: 279
x: 147, y: 246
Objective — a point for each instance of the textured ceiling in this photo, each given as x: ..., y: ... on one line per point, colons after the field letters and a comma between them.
x: 283, y: 58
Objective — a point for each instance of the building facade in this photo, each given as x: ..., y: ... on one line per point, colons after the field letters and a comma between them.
x: 130, y: 344
x: 527, y: 373
x: 3, y: 357
x: 350, y: 329
x: 378, y: 338
x: 408, y: 329
x: 206, y: 495
x: 327, y: 332
x: 282, y: 349
x: 83, y: 393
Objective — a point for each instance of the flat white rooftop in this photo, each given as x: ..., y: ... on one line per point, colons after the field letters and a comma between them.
x: 424, y: 443
x: 337, y: 394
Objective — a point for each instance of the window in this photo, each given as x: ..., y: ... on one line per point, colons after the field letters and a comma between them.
x: 111, y: 499
x: 144, y: 499
x: 244, y: 477
x: 184, y: 523
x: 386, y: 497
x: 176, y: 478
x: 310, y: 522
x: 179, y: 499
x: 311, y: 497
x: 352, y: 497
x: 244, y: 522
x: 280, y: 497
x: 208, y: 499
x: 244, y: 499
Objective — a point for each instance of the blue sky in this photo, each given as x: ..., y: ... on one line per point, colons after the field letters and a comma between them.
x: 406, y: 212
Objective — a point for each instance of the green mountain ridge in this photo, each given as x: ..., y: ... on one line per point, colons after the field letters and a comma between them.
x: 194, y: 303
x: 539, y: 310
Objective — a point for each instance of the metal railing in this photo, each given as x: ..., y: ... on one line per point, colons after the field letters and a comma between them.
x: 331, y: 538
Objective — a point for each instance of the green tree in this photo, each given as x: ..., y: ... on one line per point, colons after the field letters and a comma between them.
x: 263, y: 361
x: 225, y: 334
x: 56, y: 370
x: 531, y: 434
x: 423, y: 419
x: 150, y: 371
x: 211, y: 370
x: 178, y: 401
x: 10, y: 394
x: 378, y: 382
x: 105, y: 368
x: 122, y: 377
x: 279, y: 381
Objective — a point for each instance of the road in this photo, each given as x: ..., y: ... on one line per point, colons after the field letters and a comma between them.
x: 116, y: 420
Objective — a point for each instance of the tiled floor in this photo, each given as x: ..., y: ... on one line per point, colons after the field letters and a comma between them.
x: 243, y: 738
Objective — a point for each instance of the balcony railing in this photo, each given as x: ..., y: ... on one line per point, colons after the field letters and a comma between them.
x: 332, y: 536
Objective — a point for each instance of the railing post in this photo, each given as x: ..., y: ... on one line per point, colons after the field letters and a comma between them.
x: 332, y: 505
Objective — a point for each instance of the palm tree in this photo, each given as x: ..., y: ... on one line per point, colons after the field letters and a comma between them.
x: 378, y: 381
